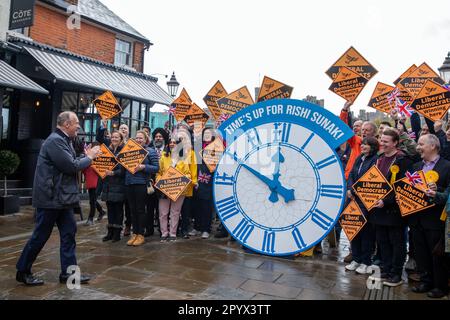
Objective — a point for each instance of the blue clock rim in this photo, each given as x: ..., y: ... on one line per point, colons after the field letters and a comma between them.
x: 286, y: 254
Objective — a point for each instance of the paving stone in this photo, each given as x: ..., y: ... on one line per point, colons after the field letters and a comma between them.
x: 276, y: 290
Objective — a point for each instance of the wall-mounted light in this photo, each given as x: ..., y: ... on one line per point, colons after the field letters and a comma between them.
x: 37, y: 104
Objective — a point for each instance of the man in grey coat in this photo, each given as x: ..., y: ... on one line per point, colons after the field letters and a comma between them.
x: 55, y: 194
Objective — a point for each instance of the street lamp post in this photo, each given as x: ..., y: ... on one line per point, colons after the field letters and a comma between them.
x: 172, y: 86
x: 444, y: 71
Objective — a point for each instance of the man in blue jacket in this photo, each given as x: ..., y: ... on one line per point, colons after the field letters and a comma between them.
x: 55, y: 194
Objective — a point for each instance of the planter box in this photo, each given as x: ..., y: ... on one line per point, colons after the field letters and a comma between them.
x: 9, y: 204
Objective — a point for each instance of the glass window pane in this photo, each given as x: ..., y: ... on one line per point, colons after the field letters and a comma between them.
x: 126, y: 108
x: 135, y: 110
x: 86, y: 105
x: 69, y: 101
x: 5, y: 114
x: 143, y: 111
x: 134, y: 128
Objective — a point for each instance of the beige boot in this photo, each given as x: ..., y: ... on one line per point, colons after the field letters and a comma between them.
x: 140, y: 240
x: 132, y: 240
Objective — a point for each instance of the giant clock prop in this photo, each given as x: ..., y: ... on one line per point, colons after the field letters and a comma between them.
x: 280, y: 187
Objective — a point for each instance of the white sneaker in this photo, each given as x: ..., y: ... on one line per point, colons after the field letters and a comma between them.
x: 362, y: 269
x: 352, y: 266
x: 205, y: 235
x: 194, y: 233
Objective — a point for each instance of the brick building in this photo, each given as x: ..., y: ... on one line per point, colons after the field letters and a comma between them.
x: 74, y: 51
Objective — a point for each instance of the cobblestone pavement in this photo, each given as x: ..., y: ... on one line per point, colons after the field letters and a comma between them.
x: 186, y: 269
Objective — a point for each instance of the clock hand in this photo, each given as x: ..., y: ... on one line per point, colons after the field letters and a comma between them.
x: 277, y: 158
x: 287, y: 194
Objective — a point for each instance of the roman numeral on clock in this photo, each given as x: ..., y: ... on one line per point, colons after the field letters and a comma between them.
x: 285, y: 132
x: 224, y: 179
x: 227, y: 208
x: 298, y: 239
x: 243, y: 230
x: 253, y: 138
x: 326, y: 162
x: 269, y: 242
x: 332, y: 191
x: 321, y: 219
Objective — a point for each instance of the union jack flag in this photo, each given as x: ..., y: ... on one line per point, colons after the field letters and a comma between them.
x: 403, y: 108
x: 414, y: 178
x: 204, y: 177
x: 393, y: 95
x: 447, y: 86
x: 171, y: 110
x: 412, y: 135
x: 223, y: 118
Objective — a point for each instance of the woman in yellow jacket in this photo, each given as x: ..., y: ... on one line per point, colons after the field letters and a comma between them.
x: 173, y: 156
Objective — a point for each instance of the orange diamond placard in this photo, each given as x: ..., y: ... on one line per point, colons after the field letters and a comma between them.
x: 433, y: 101
x: 371, y: 187
x: 216, y: 92
x: 235, y: 101
x: 182, y: 104
x: 405, y: 74
x: 273, y: 89
x: 196, y: 118
x: 213, y: 153
x: 379, y: 97
x: 416, y: 79
x: 107, y: 106
x: 348, y: 84
x: 131, y: 156
x: 173, y: 183
x: 105, y: 162
x: 411, y: 198
x: 352, y: 220
x: 353, y: 60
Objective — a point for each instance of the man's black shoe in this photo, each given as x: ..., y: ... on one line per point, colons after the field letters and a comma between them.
x: 436, y: 293
x: 83, y: 279
x: 421, y: 288
x: 28, y: 279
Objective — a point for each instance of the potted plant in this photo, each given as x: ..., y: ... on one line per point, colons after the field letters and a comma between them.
x: 9, y: 162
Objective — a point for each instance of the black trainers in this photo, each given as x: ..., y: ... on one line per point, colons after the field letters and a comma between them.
x: 393, y: 281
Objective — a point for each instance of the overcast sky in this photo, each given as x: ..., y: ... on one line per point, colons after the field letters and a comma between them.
x: 240, y: 41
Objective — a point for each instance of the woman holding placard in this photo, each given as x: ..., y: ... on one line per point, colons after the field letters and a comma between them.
x: 114, y: 191
x: 137, y: 189
x: 363, y: 243
x: 173, y: 156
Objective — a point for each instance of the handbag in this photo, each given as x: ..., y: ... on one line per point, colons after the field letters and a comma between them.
x: 150, y: 188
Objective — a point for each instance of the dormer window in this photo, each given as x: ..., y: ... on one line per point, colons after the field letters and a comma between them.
x: 123, y: 53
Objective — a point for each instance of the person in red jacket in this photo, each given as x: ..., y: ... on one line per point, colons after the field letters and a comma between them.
x: 91, y: 182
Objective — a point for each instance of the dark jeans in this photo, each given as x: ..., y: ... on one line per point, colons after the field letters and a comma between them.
x: 430, y: 257
x: 152, y: 205
x: 186, y: 215
x: 204, y: 209
x: 45, y: 220
x: 127, y: 214
x: 137, y: 196
x: 363, y: 245
x: 392, y: 244
x: 93, y: 203
x: 115, y: 214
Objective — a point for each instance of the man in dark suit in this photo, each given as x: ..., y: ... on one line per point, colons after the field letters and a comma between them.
x: 427, y: 227
x: 55, y: 194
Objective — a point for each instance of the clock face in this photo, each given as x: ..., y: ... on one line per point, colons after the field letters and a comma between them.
x: 279, y: 188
